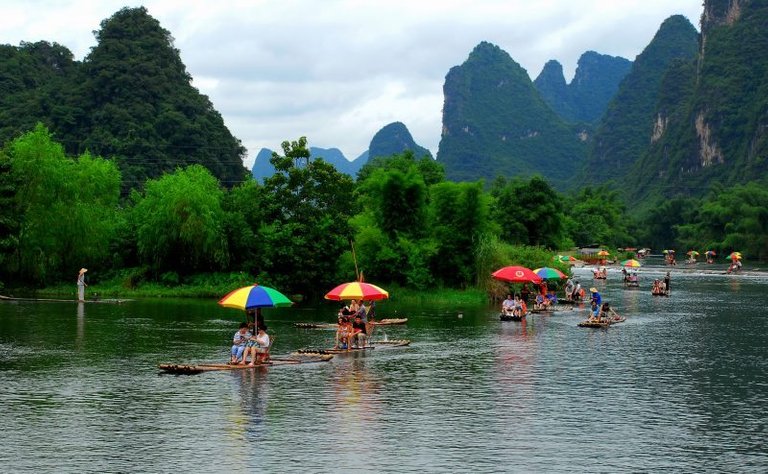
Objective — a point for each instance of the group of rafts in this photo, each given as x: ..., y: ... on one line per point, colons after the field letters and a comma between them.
x: 601, y: 315
x: 251, y: 338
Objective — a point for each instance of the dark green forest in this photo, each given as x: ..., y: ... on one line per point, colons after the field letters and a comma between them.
x: 118, y: 164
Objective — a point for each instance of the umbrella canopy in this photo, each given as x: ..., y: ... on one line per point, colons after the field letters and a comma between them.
x: 710, y: 252
x: 516, y: 274
x: 357, y: 290
x: 631, y: 263
x: 564, y: 258
x: 547, y: 273
x: 254, y: 296
x: 693, y: 253
x: 735, y: 256
x: 603, y: 253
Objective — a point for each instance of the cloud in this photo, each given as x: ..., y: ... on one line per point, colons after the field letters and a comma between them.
x: 337, y: 71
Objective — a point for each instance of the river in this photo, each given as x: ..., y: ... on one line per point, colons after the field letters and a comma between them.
x: 681, y: 386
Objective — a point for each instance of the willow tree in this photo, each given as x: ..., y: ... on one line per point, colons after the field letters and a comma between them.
x: 65, y: 208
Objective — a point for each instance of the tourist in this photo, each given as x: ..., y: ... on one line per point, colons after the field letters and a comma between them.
x: 525, y: 293
x: 359, y: 333
x: 258, y: 347
x: 239, y: 342
x: 666, y: 283
x: 552, y: 298
x: 507, y: 305
x: 578, y: 291
x: 596, y: 302
x: 81, y: 284
x: 343, y: 333
x: 517, y: 307
x: 569, y: 287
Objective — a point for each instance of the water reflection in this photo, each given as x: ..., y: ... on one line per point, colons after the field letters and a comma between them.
x: 249, y: 414
x: 80, y: 325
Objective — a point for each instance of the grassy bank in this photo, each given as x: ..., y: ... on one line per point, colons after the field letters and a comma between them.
x: 214, y: 289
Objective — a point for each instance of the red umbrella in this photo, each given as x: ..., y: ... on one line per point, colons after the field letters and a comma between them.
x: 516, y: 274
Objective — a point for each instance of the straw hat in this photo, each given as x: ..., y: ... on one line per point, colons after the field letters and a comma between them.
x: 83, y: 270
x: 593, y: 290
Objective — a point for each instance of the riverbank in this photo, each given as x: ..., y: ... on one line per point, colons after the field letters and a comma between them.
x: 208, y: 290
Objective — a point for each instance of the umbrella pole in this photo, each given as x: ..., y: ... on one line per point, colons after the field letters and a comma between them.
x: 354, y: 258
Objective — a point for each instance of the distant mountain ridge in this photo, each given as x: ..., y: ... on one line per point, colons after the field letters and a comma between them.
x: 586, y: 98
x: 392, y: 139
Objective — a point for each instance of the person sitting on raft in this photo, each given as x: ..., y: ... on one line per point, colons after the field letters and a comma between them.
x: 508, y: 305
x: 541, y: 302
x: 607, y: 313
x: 552, y: 298
x: 359, y: 333
x: 343, y: 333
x: 257, y: 347
x: 517, y: 307
x: 239, y: 342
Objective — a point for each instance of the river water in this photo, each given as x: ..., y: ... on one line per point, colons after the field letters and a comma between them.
x: 681, y: 386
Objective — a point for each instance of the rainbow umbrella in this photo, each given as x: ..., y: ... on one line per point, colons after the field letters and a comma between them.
x: 734, y: 256
x: 254, y: 296
x: 516, y: 274
x: 693, y: 253
x: 631, y: 263
x: 710, y: 252
x: 547, y: 273
x: 564, y: 258
x: 357, y: 290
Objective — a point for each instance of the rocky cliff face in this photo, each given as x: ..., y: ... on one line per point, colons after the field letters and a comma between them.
x: 632, y: 120
x: 496, y: 123
x: 717, y: 122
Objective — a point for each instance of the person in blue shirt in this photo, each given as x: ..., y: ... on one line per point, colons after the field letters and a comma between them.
x: 597, y: 301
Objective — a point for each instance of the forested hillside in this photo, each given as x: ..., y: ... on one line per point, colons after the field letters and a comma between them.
x: 625, y: 131
x: 715, y: 111
x: 131, y: 100
x: 495, y: 123
x: 586, y: 98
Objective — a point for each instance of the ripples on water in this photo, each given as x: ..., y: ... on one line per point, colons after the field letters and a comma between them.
x: 680, y: 386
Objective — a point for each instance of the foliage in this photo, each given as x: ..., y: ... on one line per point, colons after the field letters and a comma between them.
x: 178, y: 222
x: 599, y: 215
x: 731, y: 219
x: 65, y: 208
x: 529, y: 213
x: 306, y: 220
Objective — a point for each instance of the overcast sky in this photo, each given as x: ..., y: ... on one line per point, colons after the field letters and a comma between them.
x: 337, y: 71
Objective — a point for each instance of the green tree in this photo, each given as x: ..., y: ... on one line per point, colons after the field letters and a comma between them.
x: 307, y: 209
x: 65, y: 208
x: 598, y: 215
x: 178, y: 221
x: 529, y: 213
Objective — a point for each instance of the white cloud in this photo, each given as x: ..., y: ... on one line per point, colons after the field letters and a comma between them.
x: 337, y: 71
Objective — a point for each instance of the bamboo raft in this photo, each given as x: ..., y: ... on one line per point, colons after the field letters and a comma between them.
x: 551, y: 309
x: 382, y: 322
x: 594, y: 324
x: 510, y: 317
x: 192, y: 369
x: 371, y: 346
x: 63, y: 300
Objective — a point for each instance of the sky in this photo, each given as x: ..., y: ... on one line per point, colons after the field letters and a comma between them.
x: 337, y: 71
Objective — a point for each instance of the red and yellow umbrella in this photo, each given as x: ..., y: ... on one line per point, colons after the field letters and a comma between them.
x: 603, y: 253
x: 357, y: 290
